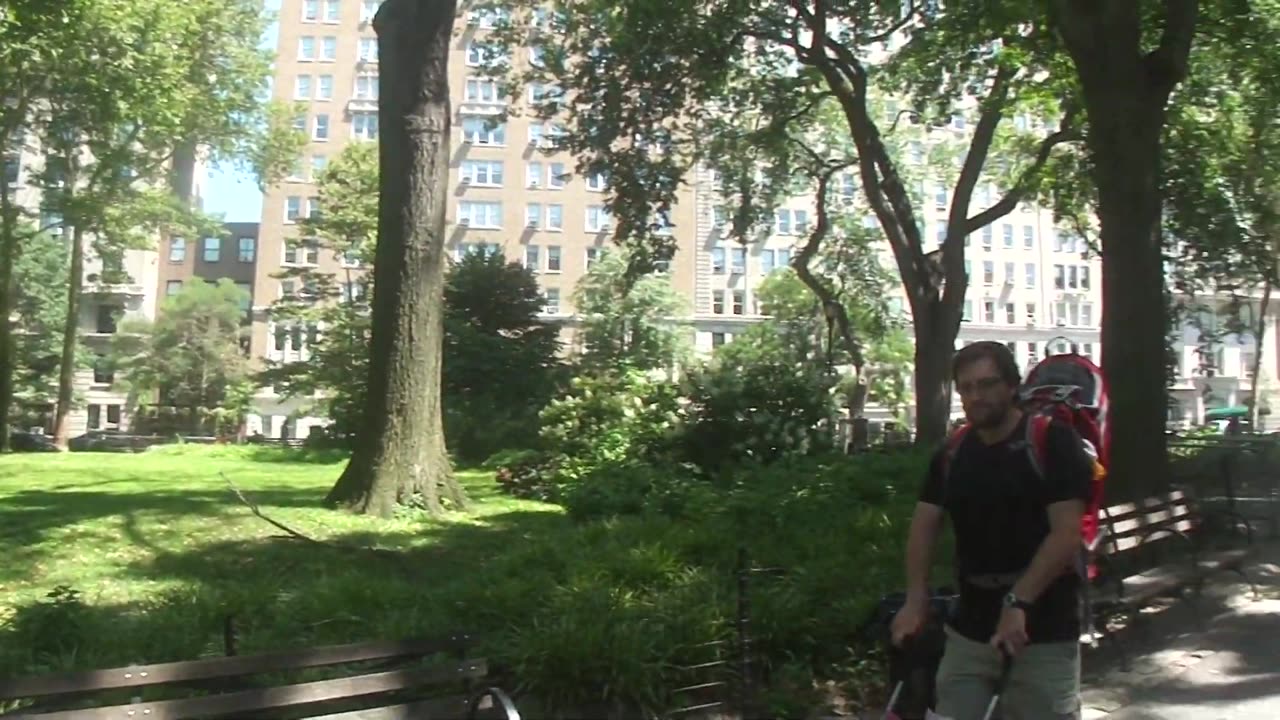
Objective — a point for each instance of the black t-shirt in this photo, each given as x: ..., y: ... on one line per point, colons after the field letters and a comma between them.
x: 997, y: 505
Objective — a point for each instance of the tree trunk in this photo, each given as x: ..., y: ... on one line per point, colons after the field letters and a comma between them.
x: 934, y: 348
x: 70, y: 340
x: 1126, y: 87
x: 8, y: 256
x: 400, y: 457
x: 1259, y: 334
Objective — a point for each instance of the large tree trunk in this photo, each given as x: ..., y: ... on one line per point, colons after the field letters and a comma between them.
x: 1259, y: 334
x: 70, y: 340
x: 8, y: 256
x: 1125, y: 91
x: 934, y: 349
x: 400, y: 457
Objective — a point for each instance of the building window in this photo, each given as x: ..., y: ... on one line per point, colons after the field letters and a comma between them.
x: 988, y: 272
x: 1007, y: 234
x: 533, y: 175
x: 366, y: 86
x: 369, y: 50
x: 555, y: 217
x: 306, y: 48
x: 532, y: 260
x: 1030, y: 278
x: 302, y: 87
x: 1028, y: 237
x: 172, y: 287
x: 552, y: 305
x: 248, y: 250
x: 767, y: 262
x: 739, y: 257
x: 940, y: 197
x: 368, y: 8
x: 557, y: 176
x: 480, y: 214
x: 988, y: 311
x: 310, y: 10
x: 717, y: 302
x: 484, y: 173
x: 986, y: 237
x: 95, y: 417
x: 332, y: 11
x: 532, y: 215
x: 246, y: 296
x: 364, y: 126
x: 717, y: 339
x: 597, y: 182
x: 301, y: 252
x: 478, y: 131
x: 324, y: 89
x: 593, y: 255
x: 718, y: 265
x: 1059, y: 277
x: 968, y: 311
x: 320, y: 132
x: 598, y: 219
x: 1010, y: 275
x: 292, y: 209
x: 1032, y: 319
x: 553, y: 258
x: 481, y: 90
x: 739, y: 302
x: 177, y: 250
x: 318, y: 164
x: 329, y: 48
x: 1010, y: 314
x: 788, y: 222
x: 1084, y: 277
x: 212, y: 249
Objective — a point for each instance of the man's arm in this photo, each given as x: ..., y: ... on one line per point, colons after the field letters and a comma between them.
x: 1056, y: 552
x: 926, y: 523
x: 1068, y: 473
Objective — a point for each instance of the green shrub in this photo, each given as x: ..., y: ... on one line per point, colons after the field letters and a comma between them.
x: 635, y: 486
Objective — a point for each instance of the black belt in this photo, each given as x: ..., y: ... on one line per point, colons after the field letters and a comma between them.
x: 992, y: 581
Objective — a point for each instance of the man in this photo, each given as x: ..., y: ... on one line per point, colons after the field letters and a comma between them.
x: 1017, y: 537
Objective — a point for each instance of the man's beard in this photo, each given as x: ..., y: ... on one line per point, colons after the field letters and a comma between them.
x: 989, y: 416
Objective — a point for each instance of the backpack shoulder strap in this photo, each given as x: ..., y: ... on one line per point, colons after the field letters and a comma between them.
x: 954, y: 441
x: 1038, y: 441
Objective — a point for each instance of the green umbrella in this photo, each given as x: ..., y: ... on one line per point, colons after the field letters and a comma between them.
x: 1226, y: 413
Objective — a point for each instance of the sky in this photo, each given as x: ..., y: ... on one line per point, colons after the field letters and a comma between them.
x: 231, y: 192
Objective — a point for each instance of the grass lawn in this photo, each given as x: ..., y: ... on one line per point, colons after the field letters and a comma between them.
x: 113, y: 525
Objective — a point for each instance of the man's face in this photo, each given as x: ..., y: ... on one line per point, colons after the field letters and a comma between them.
x: 986, y: 397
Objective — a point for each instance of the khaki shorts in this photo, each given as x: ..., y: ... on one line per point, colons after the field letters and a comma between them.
x: 1044, y: 682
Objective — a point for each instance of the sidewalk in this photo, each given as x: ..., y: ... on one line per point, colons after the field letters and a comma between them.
x: 1181, y: 669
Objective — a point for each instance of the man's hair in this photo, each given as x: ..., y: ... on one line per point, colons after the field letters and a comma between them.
x: 999, y: 354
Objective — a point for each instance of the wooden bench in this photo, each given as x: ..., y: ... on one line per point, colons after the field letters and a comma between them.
x: 389, y: 681
x: 1138, y: 558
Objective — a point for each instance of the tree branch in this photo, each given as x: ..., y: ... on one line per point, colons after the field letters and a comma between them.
x: 979, y: 146
x: 913, y: 10
x: 832, y: 308
x: 1067, y: 132
x: 1167, y: 63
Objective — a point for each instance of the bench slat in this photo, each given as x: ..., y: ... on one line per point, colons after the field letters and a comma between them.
x: 222, y: 667
x: 273, y: 698
x: 450, y: 708
x: 1128, y: 543
x: 1124, y: 527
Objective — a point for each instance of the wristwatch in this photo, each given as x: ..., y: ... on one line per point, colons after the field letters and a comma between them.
x: 1013, y: 601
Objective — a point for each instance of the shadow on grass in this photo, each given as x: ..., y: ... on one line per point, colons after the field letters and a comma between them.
x: 30, y: 516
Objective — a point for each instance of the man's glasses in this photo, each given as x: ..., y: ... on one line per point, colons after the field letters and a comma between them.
x: 981, y: 385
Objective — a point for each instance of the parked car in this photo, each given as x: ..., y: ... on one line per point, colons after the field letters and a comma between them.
x: 31, y: 442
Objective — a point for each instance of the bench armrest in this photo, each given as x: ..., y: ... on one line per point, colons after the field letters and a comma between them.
x: 500, y: 697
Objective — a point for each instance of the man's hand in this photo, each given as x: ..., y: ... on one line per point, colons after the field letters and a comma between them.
x: 1011, y: 631
x: 908, y: 621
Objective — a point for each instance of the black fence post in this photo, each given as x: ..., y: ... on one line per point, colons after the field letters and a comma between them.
x: 744, y: 688
x: 230, y: 636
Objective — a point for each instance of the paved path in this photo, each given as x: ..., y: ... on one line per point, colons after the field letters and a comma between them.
x: 1225, y: 669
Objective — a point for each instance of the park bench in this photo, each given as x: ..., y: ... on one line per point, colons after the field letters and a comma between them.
x: 1159, y: 547
x: 402, y: 680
